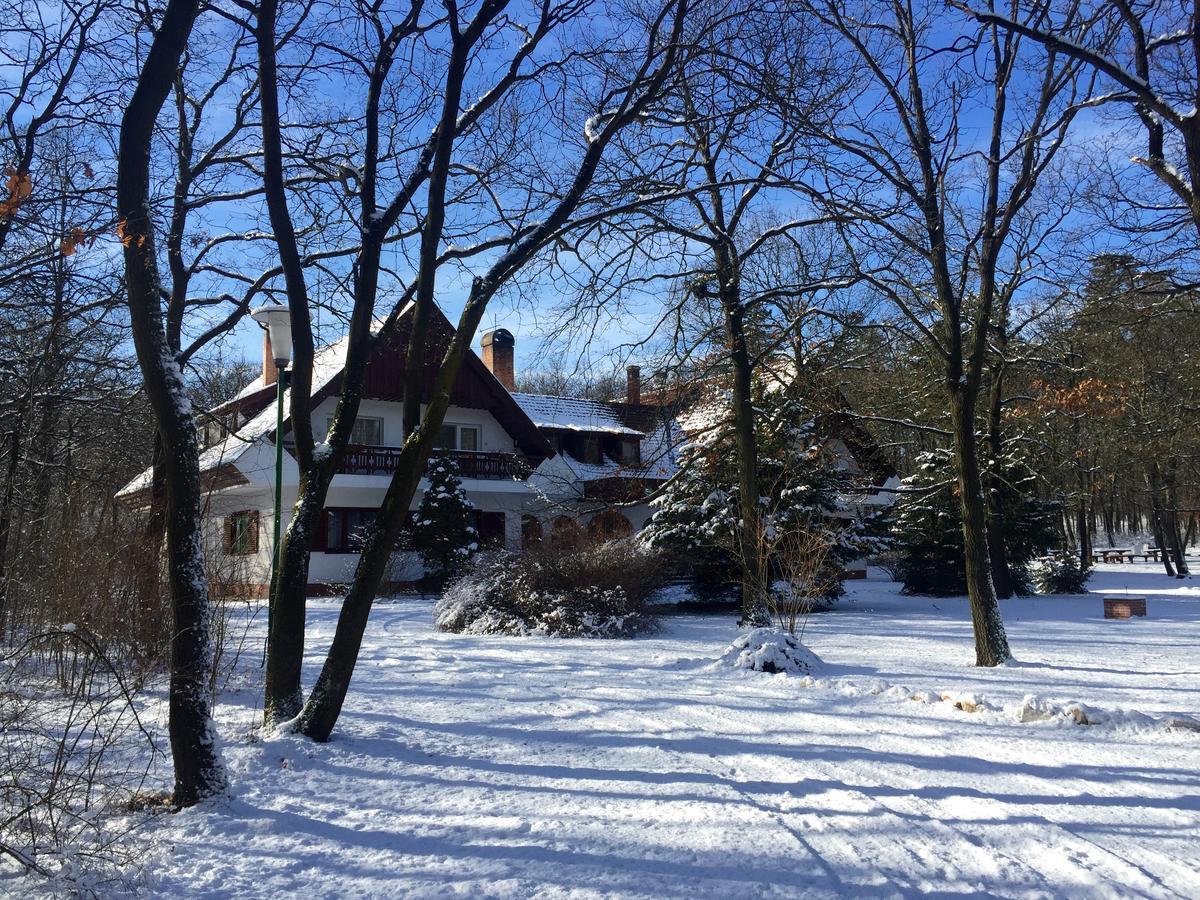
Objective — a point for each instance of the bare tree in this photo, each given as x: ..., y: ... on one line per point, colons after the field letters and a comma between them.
x: 933, y: 214
x: 1149, y: 54
x: 726, y: 144
x: 622, y: 98
x: 198, y: 771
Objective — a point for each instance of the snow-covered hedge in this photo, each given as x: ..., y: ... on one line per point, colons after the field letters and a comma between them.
x: 770, y: 650
x: 598, y: 592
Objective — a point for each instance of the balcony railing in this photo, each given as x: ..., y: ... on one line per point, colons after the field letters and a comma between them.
x: 363, y: 460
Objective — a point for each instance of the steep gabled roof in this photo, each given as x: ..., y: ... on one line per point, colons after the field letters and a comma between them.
x: 476, y: 387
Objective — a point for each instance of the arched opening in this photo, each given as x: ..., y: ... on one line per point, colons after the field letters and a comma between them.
x: 531, y: 530
x: 565, y: 532
x: 609, y: 525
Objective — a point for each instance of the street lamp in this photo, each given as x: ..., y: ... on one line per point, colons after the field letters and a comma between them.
x: 278, y: 322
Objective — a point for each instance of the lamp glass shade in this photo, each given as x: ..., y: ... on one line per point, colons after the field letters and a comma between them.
x: 278, y: 322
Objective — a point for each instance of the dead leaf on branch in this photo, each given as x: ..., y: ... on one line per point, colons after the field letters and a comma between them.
x: 18, y: 187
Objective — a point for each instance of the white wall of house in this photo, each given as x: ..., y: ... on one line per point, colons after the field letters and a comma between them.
x: 552, y: 491
x: 493, y: 436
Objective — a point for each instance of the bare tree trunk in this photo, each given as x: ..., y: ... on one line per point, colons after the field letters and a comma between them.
x: 991, y: 642
x: 1158, y: 520
x: 754, y: 602
x: 1171, y: 524
x: 198, y: 771
x: 6, y: 516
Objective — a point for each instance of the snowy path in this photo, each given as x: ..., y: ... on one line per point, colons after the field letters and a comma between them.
x: 544, y: 768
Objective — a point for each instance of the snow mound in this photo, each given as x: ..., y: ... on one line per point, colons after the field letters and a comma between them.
x: 769, y: 650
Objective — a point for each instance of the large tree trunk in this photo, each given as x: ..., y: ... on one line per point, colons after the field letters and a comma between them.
x: 1174, y: 532
x: 1158, y: 520
x: 754, y: 575
x: 198, y: 771
x: 991, y: 642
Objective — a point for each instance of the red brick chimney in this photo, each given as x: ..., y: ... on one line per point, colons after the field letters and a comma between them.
x: 498, y: 348
x: 633, y: 384
x: 269, y: 369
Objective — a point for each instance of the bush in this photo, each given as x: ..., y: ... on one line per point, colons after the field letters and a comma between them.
x: 1060, y: 575
x: 770, y: 650
x: 599, y: 591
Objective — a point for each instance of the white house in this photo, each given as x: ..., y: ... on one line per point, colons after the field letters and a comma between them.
x: 530, y: 464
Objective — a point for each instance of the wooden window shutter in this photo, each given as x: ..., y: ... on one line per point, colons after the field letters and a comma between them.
x: 227, y: 530
x: 252, y: 531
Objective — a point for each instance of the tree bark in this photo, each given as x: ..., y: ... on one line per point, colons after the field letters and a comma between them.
x: 1158, y: 520
x: 198, y: 771
x: 1171, y: 524
x: 991, y: 642
x: 754, y: 605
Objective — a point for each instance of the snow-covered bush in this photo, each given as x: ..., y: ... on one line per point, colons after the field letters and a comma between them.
x: 442, y: 533
x: 770, y: 650
x: 599, y: 591
x: 1059, y: 575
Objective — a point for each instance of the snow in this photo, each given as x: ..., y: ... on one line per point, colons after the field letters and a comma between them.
x: 769, y: 650
x: 571, y: 414
x: 489, y: 766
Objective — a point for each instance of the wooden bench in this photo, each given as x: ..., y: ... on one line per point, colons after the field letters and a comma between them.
x: 1124, y: 607
x: 1113, y: 555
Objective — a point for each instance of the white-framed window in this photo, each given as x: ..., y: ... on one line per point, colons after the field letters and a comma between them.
x: 459, y: 437
x: 367, y: 431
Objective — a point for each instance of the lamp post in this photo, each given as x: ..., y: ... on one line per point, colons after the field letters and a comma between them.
x: 278, y: 323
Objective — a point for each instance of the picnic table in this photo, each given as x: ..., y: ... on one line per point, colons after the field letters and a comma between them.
x: 1126, y: 554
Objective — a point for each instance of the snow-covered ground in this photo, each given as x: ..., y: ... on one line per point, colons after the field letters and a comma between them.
x: 525, y: 767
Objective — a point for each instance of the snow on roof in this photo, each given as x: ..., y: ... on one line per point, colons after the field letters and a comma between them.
x: 327, y: 364
x: 571, y: 415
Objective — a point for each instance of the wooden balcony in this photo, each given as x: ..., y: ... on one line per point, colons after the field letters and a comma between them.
x: 363, y: 460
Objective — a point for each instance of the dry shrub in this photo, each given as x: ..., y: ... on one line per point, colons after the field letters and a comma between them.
x: 102, y: 576
x: 74, y: 754
x: 808, y: 575
x: 597, y: 590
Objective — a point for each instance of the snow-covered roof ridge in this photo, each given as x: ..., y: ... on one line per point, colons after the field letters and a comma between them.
x: 572, y: 414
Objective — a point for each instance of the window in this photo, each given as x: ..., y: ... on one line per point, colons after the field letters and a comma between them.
x: 241, y: 533
x: 367, y: 432
x: 631, y: 453
x: 344, y: 530
x: 459, y: 437
x: 591, y: 449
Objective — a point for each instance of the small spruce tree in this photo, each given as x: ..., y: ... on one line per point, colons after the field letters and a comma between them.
x: 443, y: 534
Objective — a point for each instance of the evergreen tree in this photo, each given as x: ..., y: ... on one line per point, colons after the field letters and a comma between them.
x: 444, y: 535
x: 928, y: 532
x: 799, y: 488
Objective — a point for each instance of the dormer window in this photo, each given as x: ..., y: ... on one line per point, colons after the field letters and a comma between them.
x: 631, y: 451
